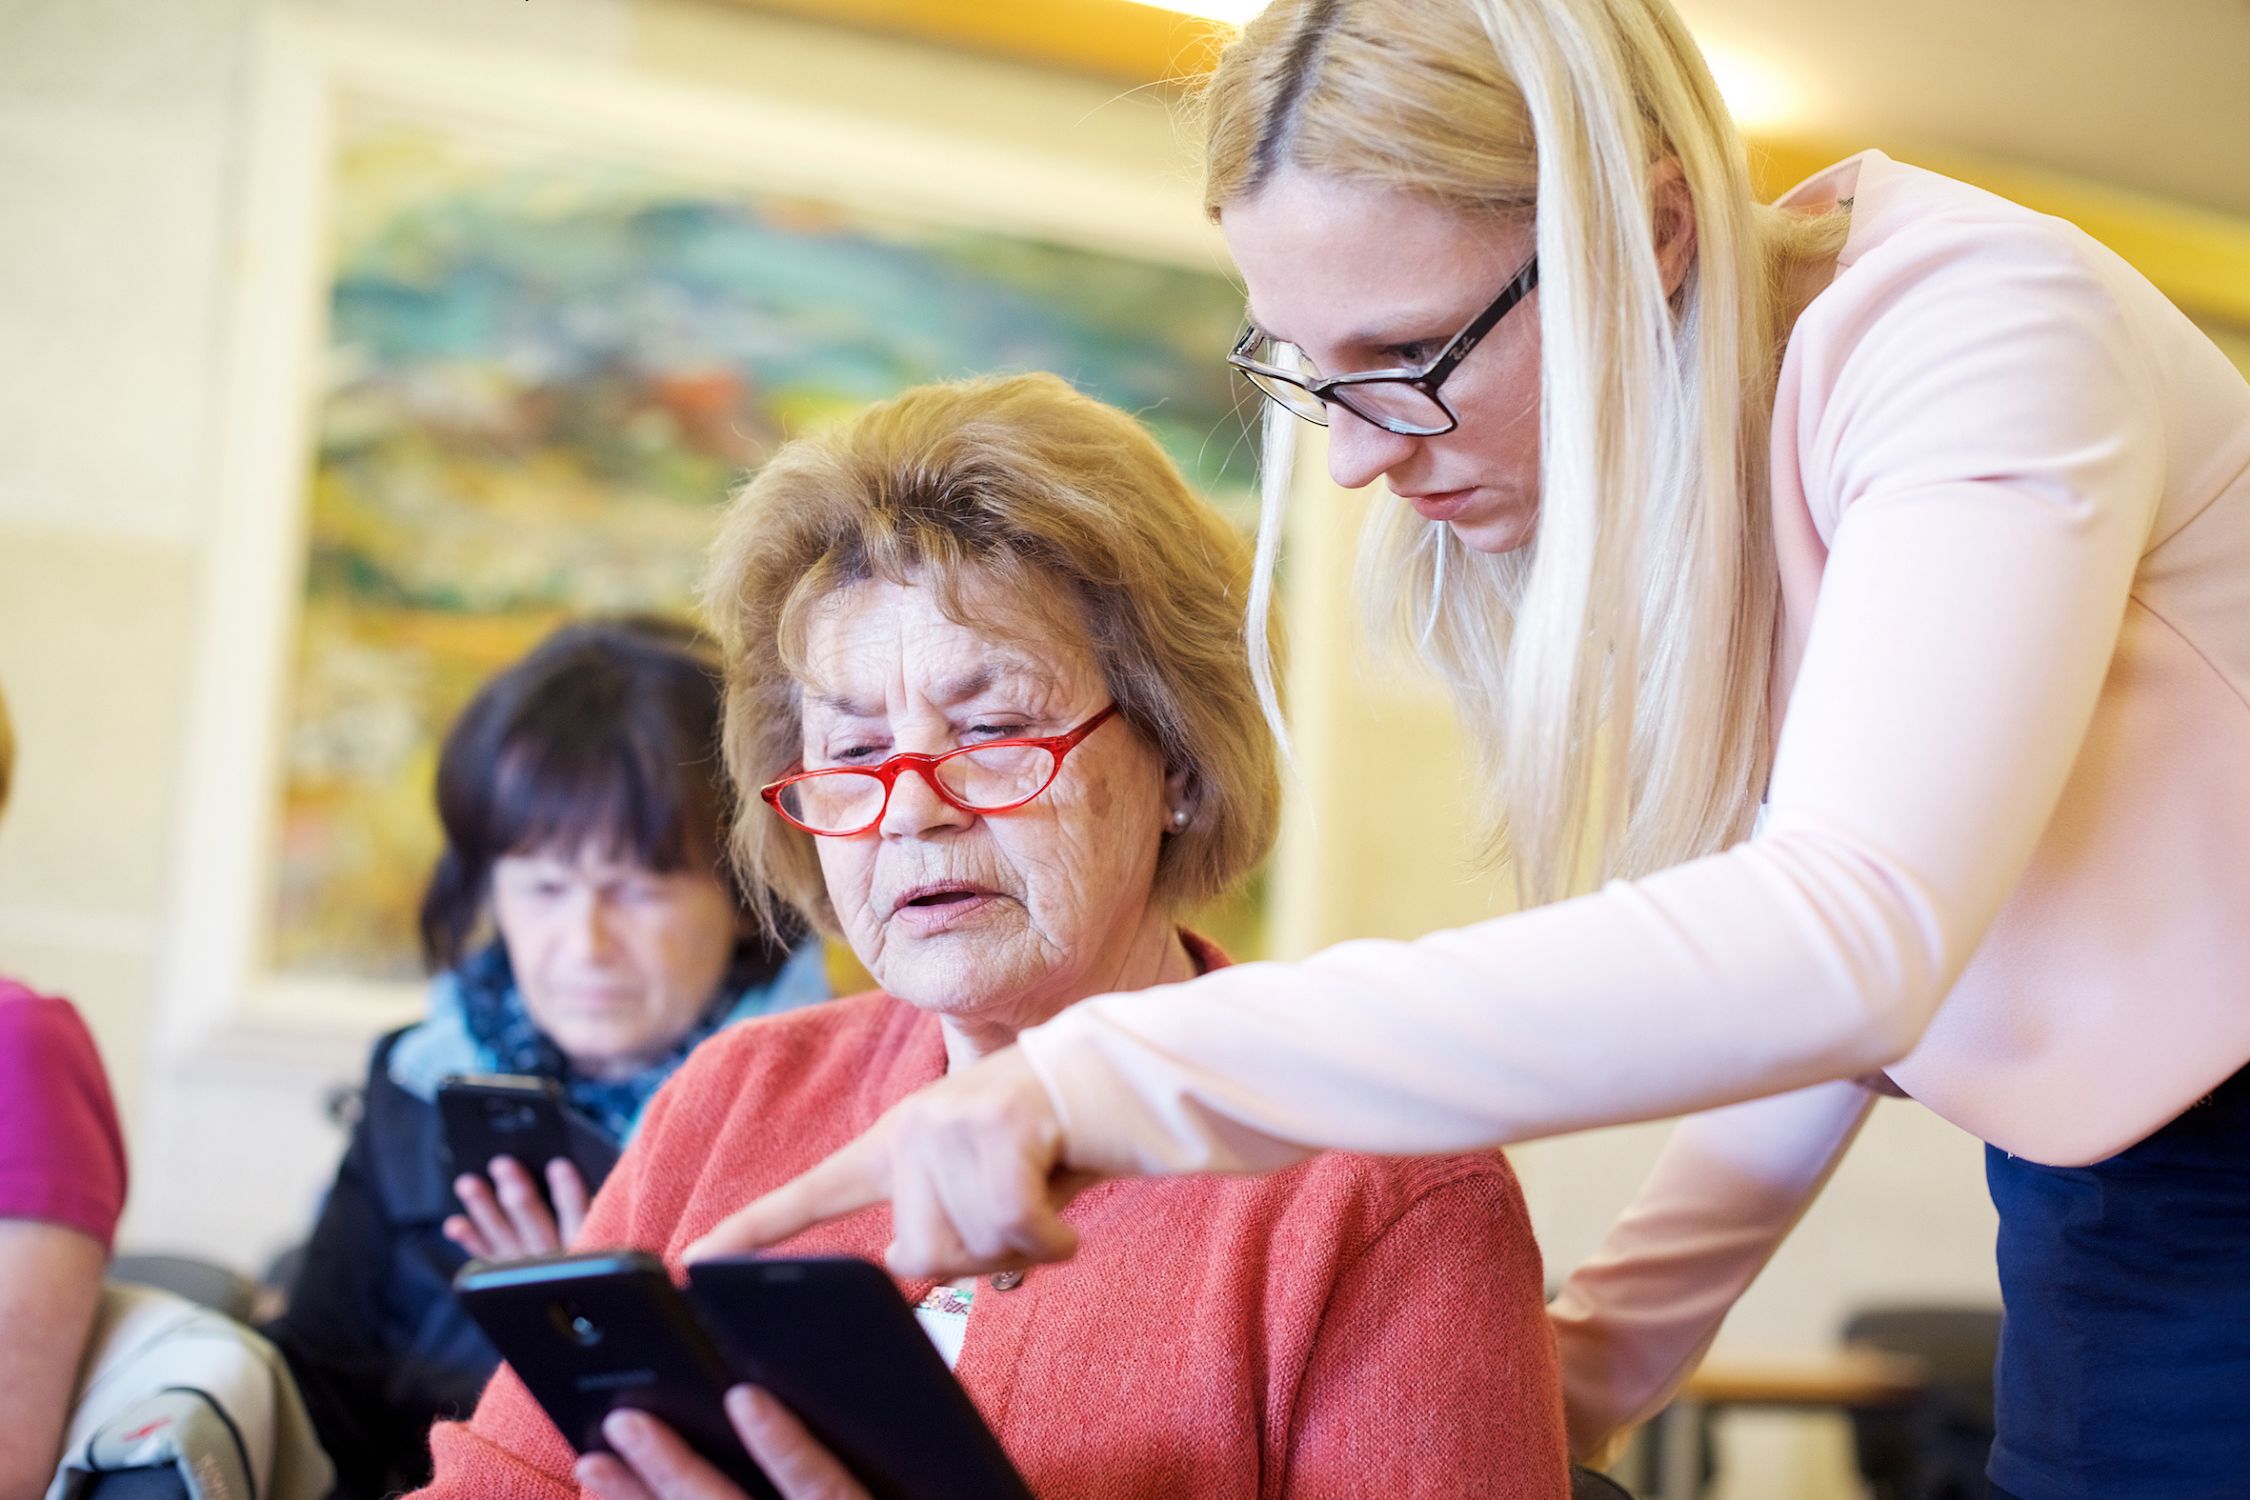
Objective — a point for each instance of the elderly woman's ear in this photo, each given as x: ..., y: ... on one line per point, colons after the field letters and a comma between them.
x: 1179, y: 799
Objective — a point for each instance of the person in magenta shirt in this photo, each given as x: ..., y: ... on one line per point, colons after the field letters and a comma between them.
x: 62, y: 1188
x: 1848, y: 600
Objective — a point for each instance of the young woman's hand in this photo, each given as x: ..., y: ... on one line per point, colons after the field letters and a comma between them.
x: 506, y: 1219
x: 972, y: 1166
x: 653, y: 1463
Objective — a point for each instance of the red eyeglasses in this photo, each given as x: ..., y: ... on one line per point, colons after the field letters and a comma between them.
x: 996, y: 776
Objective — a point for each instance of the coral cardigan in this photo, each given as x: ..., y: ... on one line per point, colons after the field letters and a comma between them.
x: 1350, y: 1326
x: 2007, y: 849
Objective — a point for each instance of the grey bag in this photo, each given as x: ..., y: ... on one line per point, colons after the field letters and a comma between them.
x: 172, y: 1386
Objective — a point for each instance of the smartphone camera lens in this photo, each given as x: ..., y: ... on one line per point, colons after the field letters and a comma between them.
x: 575, y: 1325
x: 512, y: 1119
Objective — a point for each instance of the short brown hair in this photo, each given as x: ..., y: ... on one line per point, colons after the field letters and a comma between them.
x: 1063, y: 502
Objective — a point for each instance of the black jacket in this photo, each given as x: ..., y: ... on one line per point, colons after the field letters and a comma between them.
x: 377, y: 1344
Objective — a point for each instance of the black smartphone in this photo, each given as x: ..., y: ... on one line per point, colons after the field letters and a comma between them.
x: 508, y: 1114
x: 836, y: 1343
x: 589, y: 1333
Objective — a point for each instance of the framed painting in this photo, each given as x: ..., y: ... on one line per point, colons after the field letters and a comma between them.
x: 507, y: 334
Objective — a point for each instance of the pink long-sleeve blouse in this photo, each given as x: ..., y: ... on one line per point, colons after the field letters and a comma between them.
x: 2006, y: 850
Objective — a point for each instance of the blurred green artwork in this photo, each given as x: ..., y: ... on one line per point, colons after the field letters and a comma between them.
x: 544, y: 371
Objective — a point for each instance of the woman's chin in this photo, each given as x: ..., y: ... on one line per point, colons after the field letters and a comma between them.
x: 945, y: 988
x: 605, y: 1055
x: 1500, y: 530
x: 971, y: 984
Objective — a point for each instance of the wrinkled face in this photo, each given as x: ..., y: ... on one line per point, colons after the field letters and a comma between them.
x: 998, y: 920
x: 616, y: 961
x: 1362, y: 278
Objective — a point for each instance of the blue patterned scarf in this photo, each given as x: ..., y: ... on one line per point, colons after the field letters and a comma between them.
x: 478, y: 1023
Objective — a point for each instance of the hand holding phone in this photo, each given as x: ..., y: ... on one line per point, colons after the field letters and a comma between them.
x: 833, y: 1340
x: 852, y: 1391
x: 649, y: 1461
x: 545, y: 1164
x: 593, y: 1335
x: 509, y: 1218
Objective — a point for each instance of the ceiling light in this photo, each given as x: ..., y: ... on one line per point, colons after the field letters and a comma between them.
x: 1759, y: 96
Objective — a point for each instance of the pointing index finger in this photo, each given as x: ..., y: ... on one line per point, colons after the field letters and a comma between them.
x: 850, y: 1180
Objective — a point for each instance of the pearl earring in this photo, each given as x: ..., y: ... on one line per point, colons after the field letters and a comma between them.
x: 1179, y: 818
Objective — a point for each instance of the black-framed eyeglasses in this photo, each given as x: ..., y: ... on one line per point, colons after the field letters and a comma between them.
x: 1404, y: 401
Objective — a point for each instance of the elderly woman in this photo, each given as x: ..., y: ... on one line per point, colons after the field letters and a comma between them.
x: 985, y: 658
x: 582, y: 927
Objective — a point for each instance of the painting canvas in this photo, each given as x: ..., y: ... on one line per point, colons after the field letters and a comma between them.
x: 544, y: 369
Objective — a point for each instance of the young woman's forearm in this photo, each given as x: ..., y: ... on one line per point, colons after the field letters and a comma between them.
x: 1989, y: 524
x: 1633, y: 1322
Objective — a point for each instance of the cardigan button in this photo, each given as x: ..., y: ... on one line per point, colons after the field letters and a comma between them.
x: 1007, y: 1281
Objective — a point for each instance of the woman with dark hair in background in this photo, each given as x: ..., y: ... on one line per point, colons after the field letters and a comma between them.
x: 585, y: 810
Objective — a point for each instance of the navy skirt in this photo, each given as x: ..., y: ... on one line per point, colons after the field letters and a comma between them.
x: 2125, y: 1354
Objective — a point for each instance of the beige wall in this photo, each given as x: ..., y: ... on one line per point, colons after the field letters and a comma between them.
x: 123, y: 126
x: 114, y: 123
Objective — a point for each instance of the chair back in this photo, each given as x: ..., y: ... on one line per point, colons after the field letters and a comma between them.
x: 1935, y: 1447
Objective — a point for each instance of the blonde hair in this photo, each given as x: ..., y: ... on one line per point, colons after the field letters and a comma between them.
x: 1090, y: 533
x: 1614, y: 673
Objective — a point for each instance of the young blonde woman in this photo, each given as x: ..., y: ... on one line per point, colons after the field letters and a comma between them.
x: 1893, y: 546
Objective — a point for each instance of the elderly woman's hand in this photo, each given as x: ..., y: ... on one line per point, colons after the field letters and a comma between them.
x: 506, y: 1219
x: 653, y: 1463
x: 972, y: 1166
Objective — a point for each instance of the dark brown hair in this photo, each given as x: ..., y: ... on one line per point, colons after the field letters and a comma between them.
x: 607, y: 733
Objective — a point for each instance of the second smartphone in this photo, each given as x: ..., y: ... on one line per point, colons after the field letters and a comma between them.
x: 829, y: 1337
